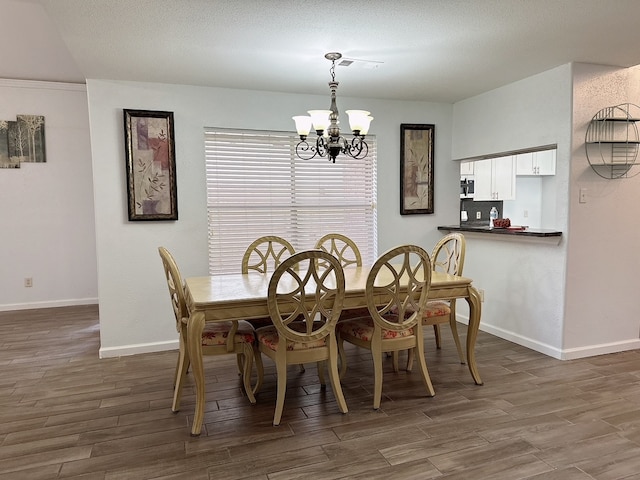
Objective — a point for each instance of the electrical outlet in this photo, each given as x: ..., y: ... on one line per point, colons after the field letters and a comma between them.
x: 526, y: 213
x: 481, y: 292
x: 28, y: 282
x: 478, y: 215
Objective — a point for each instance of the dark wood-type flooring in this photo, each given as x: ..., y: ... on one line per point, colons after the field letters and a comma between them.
x: 66, y: 414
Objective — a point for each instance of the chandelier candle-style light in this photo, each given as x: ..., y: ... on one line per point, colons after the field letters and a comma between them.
x: 325, y: 123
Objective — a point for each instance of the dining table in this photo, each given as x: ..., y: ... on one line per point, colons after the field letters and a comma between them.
x: 243, y: 296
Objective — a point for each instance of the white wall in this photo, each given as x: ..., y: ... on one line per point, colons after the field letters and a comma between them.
x: 46, y: 209
x: 524, y: 282
x: 602, y: 261
x: 528, y: 199
x: 135, y: 314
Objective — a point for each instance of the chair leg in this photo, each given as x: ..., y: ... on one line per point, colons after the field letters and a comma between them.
x: 377, y: 374
x: 410, y: 356
x: 181, y: 374
x: 321, y: 367
x: 422, y: 366
x: 281, y: 371
x: 334, y: 376
x: 436, y: 331
x: 239, y: 361
x: 257, y: 356
x: 456, y: 338
x: 342, y: 357
x: 395, y: 355
x: 247, y: 363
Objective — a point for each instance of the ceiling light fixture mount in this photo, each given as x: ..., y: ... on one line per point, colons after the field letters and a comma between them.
x: 329, y: 142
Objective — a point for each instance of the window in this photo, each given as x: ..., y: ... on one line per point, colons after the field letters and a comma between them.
x: 257, y: 186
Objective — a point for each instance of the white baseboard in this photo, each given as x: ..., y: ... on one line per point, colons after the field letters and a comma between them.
x: 560, y: 354
x: 124, y: 350
x: 49, y: 304
x: 603, y: 349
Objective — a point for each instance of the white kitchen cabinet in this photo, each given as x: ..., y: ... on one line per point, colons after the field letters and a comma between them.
x: 466, y: 168
x: 495, y: 178
x: 536, y: 163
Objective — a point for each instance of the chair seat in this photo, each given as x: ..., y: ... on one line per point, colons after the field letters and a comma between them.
x: 437, y: 309
x: 268, y: 336
x: 433, y: 309
x: 362, y: 328
x: 215, y: 333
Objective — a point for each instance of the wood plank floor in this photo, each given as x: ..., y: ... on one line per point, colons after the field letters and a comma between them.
x: 66, y: 414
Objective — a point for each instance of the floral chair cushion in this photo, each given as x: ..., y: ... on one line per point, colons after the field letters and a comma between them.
x: 362, y: 328
x: 216, y: 333
x: 433, y: 309
x: 437, y: 309
x: 269, y: 337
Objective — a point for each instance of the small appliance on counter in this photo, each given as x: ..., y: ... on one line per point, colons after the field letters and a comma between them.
x: 467, y: 187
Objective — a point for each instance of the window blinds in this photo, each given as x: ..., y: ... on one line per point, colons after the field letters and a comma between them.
x: 257, y: 186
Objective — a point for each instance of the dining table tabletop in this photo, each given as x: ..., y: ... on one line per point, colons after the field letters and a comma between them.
x: 243, y: 296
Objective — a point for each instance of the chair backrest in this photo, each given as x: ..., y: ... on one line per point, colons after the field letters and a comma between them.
x: 397, y: 287
x: 176, y: 287
x: 307, y: 288
x: 448, y: 254
x: 266, y: 253
x: 341, y: 247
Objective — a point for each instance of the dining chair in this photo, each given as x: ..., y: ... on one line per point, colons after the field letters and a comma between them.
x: 305, y: 297
x: 263, y: 256
x: 396, y: 292
x: 447, y: 257
x: 341, y: 247
x: 218, y: 338
x: 266, y: 253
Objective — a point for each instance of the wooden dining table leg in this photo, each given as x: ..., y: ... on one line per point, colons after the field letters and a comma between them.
x: 475, y: 310
x: 194, y: 333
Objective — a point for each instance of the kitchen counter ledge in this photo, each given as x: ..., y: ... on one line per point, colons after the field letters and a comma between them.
x: 504, y: 232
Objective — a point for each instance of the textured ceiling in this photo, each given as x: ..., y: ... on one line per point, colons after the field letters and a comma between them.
x: 432, y: 50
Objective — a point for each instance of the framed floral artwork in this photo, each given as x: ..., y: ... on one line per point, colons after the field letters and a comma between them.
x: 151, y: 165
x: 416, y: 168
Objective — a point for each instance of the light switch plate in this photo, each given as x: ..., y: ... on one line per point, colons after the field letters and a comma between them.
x: 583, y: 195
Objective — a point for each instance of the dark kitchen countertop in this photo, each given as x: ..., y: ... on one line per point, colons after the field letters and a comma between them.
x: 528, y: 232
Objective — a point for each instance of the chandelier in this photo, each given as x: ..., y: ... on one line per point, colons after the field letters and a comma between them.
x: 329, y: 142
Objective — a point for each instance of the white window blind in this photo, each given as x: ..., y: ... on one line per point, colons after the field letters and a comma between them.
x: 257, y: 186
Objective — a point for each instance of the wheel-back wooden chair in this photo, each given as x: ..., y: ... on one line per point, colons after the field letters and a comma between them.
x: 396, y: 292
x: 265, y: 254
x: 341, y: 247
x: 348, y: 254
x: 447, y: 257
x: 218, y: 338
x: 305, y: 297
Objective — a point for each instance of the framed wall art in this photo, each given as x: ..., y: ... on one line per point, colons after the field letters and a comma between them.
x: 151, y: 165
x: 416, y: 168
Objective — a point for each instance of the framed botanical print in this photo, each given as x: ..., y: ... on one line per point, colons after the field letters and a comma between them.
x: 416, y: 168
x: 151, y: 165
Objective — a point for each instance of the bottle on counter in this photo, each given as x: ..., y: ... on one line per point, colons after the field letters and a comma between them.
x: 493, y: 215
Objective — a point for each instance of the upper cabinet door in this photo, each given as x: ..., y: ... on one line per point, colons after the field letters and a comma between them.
x: 483, y: 187
x: 495, y: 179
x: 545, y: 162
x: 504, y: 178
x: 524, y: 164
x: 536, y: 163
x: 466, y: 168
